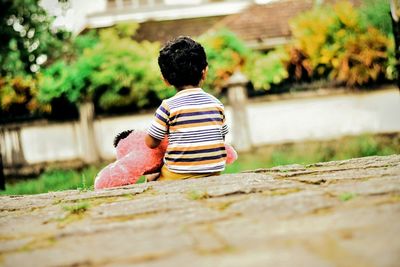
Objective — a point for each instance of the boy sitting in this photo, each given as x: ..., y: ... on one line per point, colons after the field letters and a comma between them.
x: 193, y: 119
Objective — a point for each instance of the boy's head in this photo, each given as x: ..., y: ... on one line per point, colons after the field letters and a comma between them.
x: 183, y: 62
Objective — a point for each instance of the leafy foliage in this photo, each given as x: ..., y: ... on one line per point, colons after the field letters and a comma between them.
x: 266, y: 69
x: 70, y: 81
x: 363, y: 60
x: 334, y: 43
x: 27, y: 44
x: 225, y: 54
x: 18, y: 96
x: 340, y: 43
x: 114, y: 71
x: 27, y: 40
x: 299, y: 66
x: 310, y: 32
x: 376, y: 13
x: 129, y: 71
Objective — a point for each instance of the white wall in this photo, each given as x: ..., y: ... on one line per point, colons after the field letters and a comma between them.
x: 55, y: 142
x: 325, y: 118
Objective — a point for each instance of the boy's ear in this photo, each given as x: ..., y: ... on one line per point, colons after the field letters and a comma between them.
x: 204, y: 73
x: 165, y: 81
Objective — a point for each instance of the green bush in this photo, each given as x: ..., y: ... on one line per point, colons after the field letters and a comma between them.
x: 376, y: 13
x: 339, y: 45
x: 266, y: 69
x: 27, y: 40
x: 112, y: 70
x: 70, y: 81
x: 226, y: 53
x: 18, y: 97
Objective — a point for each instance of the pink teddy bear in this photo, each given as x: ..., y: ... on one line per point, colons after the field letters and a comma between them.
x: 135, y: 159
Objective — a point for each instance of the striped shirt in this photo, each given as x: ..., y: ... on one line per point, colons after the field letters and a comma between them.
x: 195, y: 124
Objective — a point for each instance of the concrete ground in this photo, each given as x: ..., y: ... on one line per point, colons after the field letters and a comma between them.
x: 343, y: 213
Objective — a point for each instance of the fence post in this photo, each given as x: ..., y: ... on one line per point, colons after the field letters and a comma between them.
x: 2, y: 178
x: 237, y: 97
x: 90, y: 153
x: 395, y: 12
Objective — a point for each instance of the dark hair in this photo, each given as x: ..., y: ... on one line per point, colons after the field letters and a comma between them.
x: 182, y: 62
x: 121, y: 136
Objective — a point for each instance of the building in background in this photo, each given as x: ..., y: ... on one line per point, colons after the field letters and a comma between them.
x: 78, y: 15
x: 262, y: 24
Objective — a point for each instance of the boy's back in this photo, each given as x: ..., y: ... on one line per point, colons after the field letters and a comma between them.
x: 193, y: 119
x: 195, y: 122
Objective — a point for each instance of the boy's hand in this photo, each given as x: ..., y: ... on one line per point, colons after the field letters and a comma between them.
x: 152, y: 176
x: 151, y: 142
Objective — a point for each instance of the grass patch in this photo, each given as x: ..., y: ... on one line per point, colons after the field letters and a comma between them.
x: 313, y: 151
x: 54, y: 180
x: 74, y: 212
x: 347, y: 196
x: 77, y: 208
x: 142, y: 179
x: 196, y: 195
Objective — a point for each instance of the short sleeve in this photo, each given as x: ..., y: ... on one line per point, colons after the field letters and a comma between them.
x: 224, y: 129
x: 160, y: 124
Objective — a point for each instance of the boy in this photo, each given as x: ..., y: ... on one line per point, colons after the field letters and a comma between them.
x: 193, y: 119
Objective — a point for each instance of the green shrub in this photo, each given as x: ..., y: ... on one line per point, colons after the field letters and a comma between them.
x: 27, y: 38
x: 338, y: 45
x: 114, y: 71
x: 128, y: 73
x: 18, y: 97
x: 226, y: 53
x: 70, y: 81
x: 266, y: 69
x: 376, y: 13
x: 364, y: 59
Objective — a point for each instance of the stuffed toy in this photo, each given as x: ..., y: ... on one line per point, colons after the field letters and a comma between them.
x: 135, y: 159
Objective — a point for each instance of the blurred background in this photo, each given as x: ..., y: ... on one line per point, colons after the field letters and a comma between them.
x: 302, y: 81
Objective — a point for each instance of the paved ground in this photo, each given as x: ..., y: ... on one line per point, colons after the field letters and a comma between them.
x: 343, y: 213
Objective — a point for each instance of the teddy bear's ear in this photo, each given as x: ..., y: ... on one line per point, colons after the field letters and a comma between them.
x: 120, y: 136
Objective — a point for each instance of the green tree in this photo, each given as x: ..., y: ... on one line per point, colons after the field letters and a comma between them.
x: 114, y: 71
x: 376, y: 13
x: 266, y: 69
x: 18, y: 98
x: 226, y: 53
x: 27, y: 44
x: 337, y: 44
x: 27, y: 38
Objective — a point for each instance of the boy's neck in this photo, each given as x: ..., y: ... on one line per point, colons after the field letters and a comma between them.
x: 187, y: 87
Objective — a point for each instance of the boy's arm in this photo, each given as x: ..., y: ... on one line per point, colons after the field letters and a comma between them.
x: 159, y: 126
x: 224, y: 128
x: 151, y: 142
